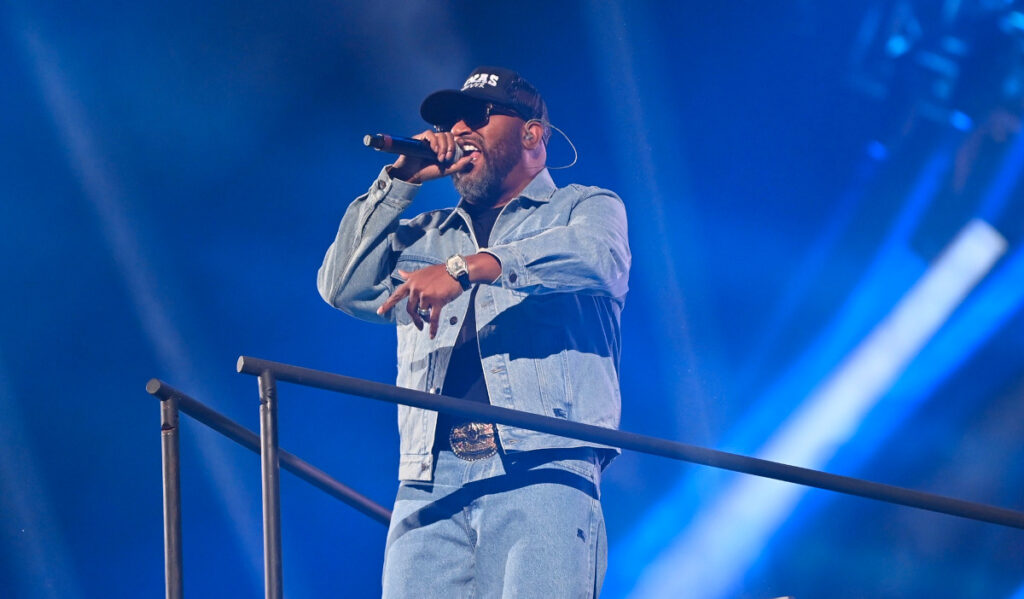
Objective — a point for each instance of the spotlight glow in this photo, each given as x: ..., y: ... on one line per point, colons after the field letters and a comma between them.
x: 724, y: 540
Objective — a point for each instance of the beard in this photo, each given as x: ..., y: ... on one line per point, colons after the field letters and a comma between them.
x: 483, y: 182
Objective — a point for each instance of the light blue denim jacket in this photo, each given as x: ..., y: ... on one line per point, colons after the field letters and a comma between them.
x: 548, y: 327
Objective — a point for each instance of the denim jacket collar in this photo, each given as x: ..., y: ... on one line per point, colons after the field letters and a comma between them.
x: 540, y: 189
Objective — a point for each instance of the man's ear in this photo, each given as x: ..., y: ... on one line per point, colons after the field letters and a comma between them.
x: 533, y: 134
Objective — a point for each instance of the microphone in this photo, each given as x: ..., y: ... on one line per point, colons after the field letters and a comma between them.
x: 417, y: 148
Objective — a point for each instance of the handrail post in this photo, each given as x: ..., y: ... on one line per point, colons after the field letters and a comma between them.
x: 270, y: 466
x: 170, y: 461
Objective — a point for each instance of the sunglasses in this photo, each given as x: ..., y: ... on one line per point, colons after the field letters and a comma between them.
x: 477, y: 115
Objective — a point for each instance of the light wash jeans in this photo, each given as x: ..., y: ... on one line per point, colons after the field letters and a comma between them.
x: 534, y: 530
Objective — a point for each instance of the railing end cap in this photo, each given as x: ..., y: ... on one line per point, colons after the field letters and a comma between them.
x: 153, y: 386
x: 244, y: 365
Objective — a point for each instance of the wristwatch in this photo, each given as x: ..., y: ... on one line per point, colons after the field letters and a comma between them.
x: 459, y: 270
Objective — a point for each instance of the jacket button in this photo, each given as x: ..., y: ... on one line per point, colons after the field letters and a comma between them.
x: 453, y: 320
x: 381, y: 184
x: 512, y: 278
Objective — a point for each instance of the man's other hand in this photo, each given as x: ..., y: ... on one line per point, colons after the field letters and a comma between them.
x: 428, y: 289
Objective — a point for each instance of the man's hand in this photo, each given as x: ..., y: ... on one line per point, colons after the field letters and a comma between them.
x: 418, y: 170
x: 428, y: 289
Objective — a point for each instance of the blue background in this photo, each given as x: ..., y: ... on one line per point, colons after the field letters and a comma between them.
x: 172, y: 174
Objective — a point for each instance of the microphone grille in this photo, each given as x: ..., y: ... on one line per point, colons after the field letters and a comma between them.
x: 378, y: 141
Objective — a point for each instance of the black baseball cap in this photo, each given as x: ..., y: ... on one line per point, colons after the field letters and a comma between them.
x: 496, y: 85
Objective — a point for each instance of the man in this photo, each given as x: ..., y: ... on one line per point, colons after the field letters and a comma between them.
x: 512, y: 298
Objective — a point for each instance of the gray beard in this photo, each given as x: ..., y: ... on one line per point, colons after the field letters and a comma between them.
x: 485, y: 185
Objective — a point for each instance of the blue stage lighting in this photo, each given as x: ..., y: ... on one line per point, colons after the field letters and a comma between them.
x: 724, y: 540
x: 960, y: 121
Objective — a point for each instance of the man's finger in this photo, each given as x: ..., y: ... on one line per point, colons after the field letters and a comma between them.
x: 412, y: 307
x: 396, y: 297
x: 443, y: 144
x: 435, y: 318
x: 458, y: 166
x: 451, y: 147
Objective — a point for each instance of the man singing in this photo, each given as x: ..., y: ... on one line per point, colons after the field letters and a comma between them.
x: 512, y: 298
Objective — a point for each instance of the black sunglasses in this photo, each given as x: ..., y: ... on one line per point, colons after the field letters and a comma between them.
x: 477, y: 115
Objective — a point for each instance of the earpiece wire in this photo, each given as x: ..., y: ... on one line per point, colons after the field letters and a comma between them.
x: 575, y: 152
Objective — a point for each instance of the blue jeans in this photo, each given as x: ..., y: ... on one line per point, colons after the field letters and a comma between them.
x: 533, y: 530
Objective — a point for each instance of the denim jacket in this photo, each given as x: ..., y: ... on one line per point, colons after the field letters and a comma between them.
x: 548, y: 327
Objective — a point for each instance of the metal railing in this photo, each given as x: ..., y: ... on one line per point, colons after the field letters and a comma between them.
x: 272, y: 458
x: 173, y: 401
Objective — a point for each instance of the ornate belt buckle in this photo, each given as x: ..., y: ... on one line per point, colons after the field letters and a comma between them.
x: 473, y: 441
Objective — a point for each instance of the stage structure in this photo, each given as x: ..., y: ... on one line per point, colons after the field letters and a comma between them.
x: 272, y: 458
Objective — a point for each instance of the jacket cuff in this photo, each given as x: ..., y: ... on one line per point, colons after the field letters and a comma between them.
x: 513, y: 267
x: 391, y: 191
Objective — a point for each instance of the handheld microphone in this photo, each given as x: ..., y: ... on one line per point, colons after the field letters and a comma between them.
x: 417, y: 148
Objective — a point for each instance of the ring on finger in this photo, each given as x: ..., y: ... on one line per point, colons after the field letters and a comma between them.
x: 423, y: 311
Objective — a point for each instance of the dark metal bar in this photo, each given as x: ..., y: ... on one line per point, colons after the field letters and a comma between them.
x: 271, y: 468
x: 170, y: 462
x: 251, y: 441
x: 633, y: 441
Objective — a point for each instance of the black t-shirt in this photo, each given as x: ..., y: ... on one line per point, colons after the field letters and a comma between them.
x: 465, y: 376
